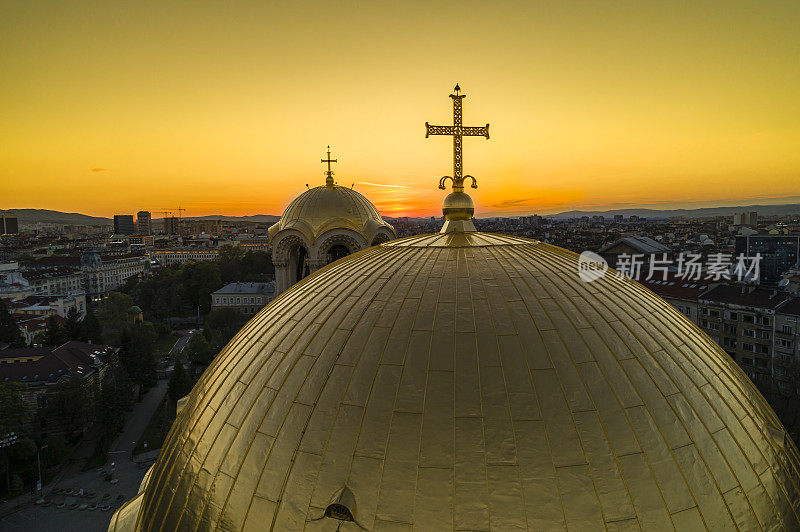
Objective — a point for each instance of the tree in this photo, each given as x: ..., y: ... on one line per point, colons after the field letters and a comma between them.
x: 229, y: 261
x: 179, y: 383
x: 124, y: 346
x: 5, y: 467
x: 257, y: 266
x: 73, y: 329
x: 112, y: 315
x: 9, y: 330
x: 92, y: 330
x: 199, y: 350
x: 23, y: 450
x: 56, y: 450
x: 66, y: 405
x: 221, y: 324
x: 54, y: 333
x: 112, y: 399
x: 13, y: 414
x: 16, y: 486
x: 137, y: 353
x: 129, y: 286
x: 199, y: 280
x: 21, y: 460
x: 161, y: 296
x: 13, y: 409
x: 236, y: 264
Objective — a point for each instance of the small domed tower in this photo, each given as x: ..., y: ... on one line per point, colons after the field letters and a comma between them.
x: 134, y: 315
x: 322, y: 225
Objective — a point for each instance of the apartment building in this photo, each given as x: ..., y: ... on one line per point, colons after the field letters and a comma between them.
x: 787, y: 344
x: 741, y: 319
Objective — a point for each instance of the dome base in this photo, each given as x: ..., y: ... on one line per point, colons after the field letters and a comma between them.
x: 458, y: 226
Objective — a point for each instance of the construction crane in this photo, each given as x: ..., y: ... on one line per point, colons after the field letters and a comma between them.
x: 171, y: 225
x: 179, y: 210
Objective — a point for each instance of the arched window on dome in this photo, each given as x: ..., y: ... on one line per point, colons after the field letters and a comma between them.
x: 300, y: 256
x: 380, y: 238
x: 337, y: 252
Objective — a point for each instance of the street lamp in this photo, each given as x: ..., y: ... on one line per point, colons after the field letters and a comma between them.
x: 39, y: 462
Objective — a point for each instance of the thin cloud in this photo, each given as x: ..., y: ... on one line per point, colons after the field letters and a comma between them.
x: 225, y: 203
x: 513, y: 203
x: 382, y: 185
x: 99, y: 169
x: 525, y: 202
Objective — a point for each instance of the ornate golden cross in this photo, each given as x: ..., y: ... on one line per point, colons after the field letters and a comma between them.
x: 329, y: 173
x: 457, y: 131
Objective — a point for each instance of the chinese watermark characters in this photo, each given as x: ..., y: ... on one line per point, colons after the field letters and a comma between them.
x: 717, y: 267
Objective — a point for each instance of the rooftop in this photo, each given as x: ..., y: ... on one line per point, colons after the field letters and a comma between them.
x: 55, y: 260
x: 677, y: 287
x: 246, y: 288
x: 746, y: 296
x: 642, y: 244
x: 42, y: 273
x: 40, y: 300
x: 72, y: 359
x: 31, y: 322
x: 791, y: 307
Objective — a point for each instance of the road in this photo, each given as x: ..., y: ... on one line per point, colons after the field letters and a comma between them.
x: 182, y: 342
x: 137, y: 421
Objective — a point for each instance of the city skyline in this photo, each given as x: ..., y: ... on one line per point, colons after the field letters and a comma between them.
x: 227, y: 110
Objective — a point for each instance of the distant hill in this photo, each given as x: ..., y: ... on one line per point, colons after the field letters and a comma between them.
x: 259, y: 218
x: 74, y: 218
x: 763, y: 210
x: 410, y: 218
x: 30, y: 216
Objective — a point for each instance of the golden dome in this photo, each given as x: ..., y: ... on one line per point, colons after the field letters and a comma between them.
x: 330, y: 206
x: 470, y: 381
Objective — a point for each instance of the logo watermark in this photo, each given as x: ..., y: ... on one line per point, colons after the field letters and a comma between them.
x: 591, y: 266
x: 685, y: 266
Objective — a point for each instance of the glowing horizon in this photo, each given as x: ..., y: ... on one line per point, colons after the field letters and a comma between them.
x: 227, y: 109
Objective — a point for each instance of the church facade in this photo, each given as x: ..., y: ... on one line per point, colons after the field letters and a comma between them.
x: 321, y: 225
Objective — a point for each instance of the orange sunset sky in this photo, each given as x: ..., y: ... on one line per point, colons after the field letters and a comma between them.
x: 226, y: 108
